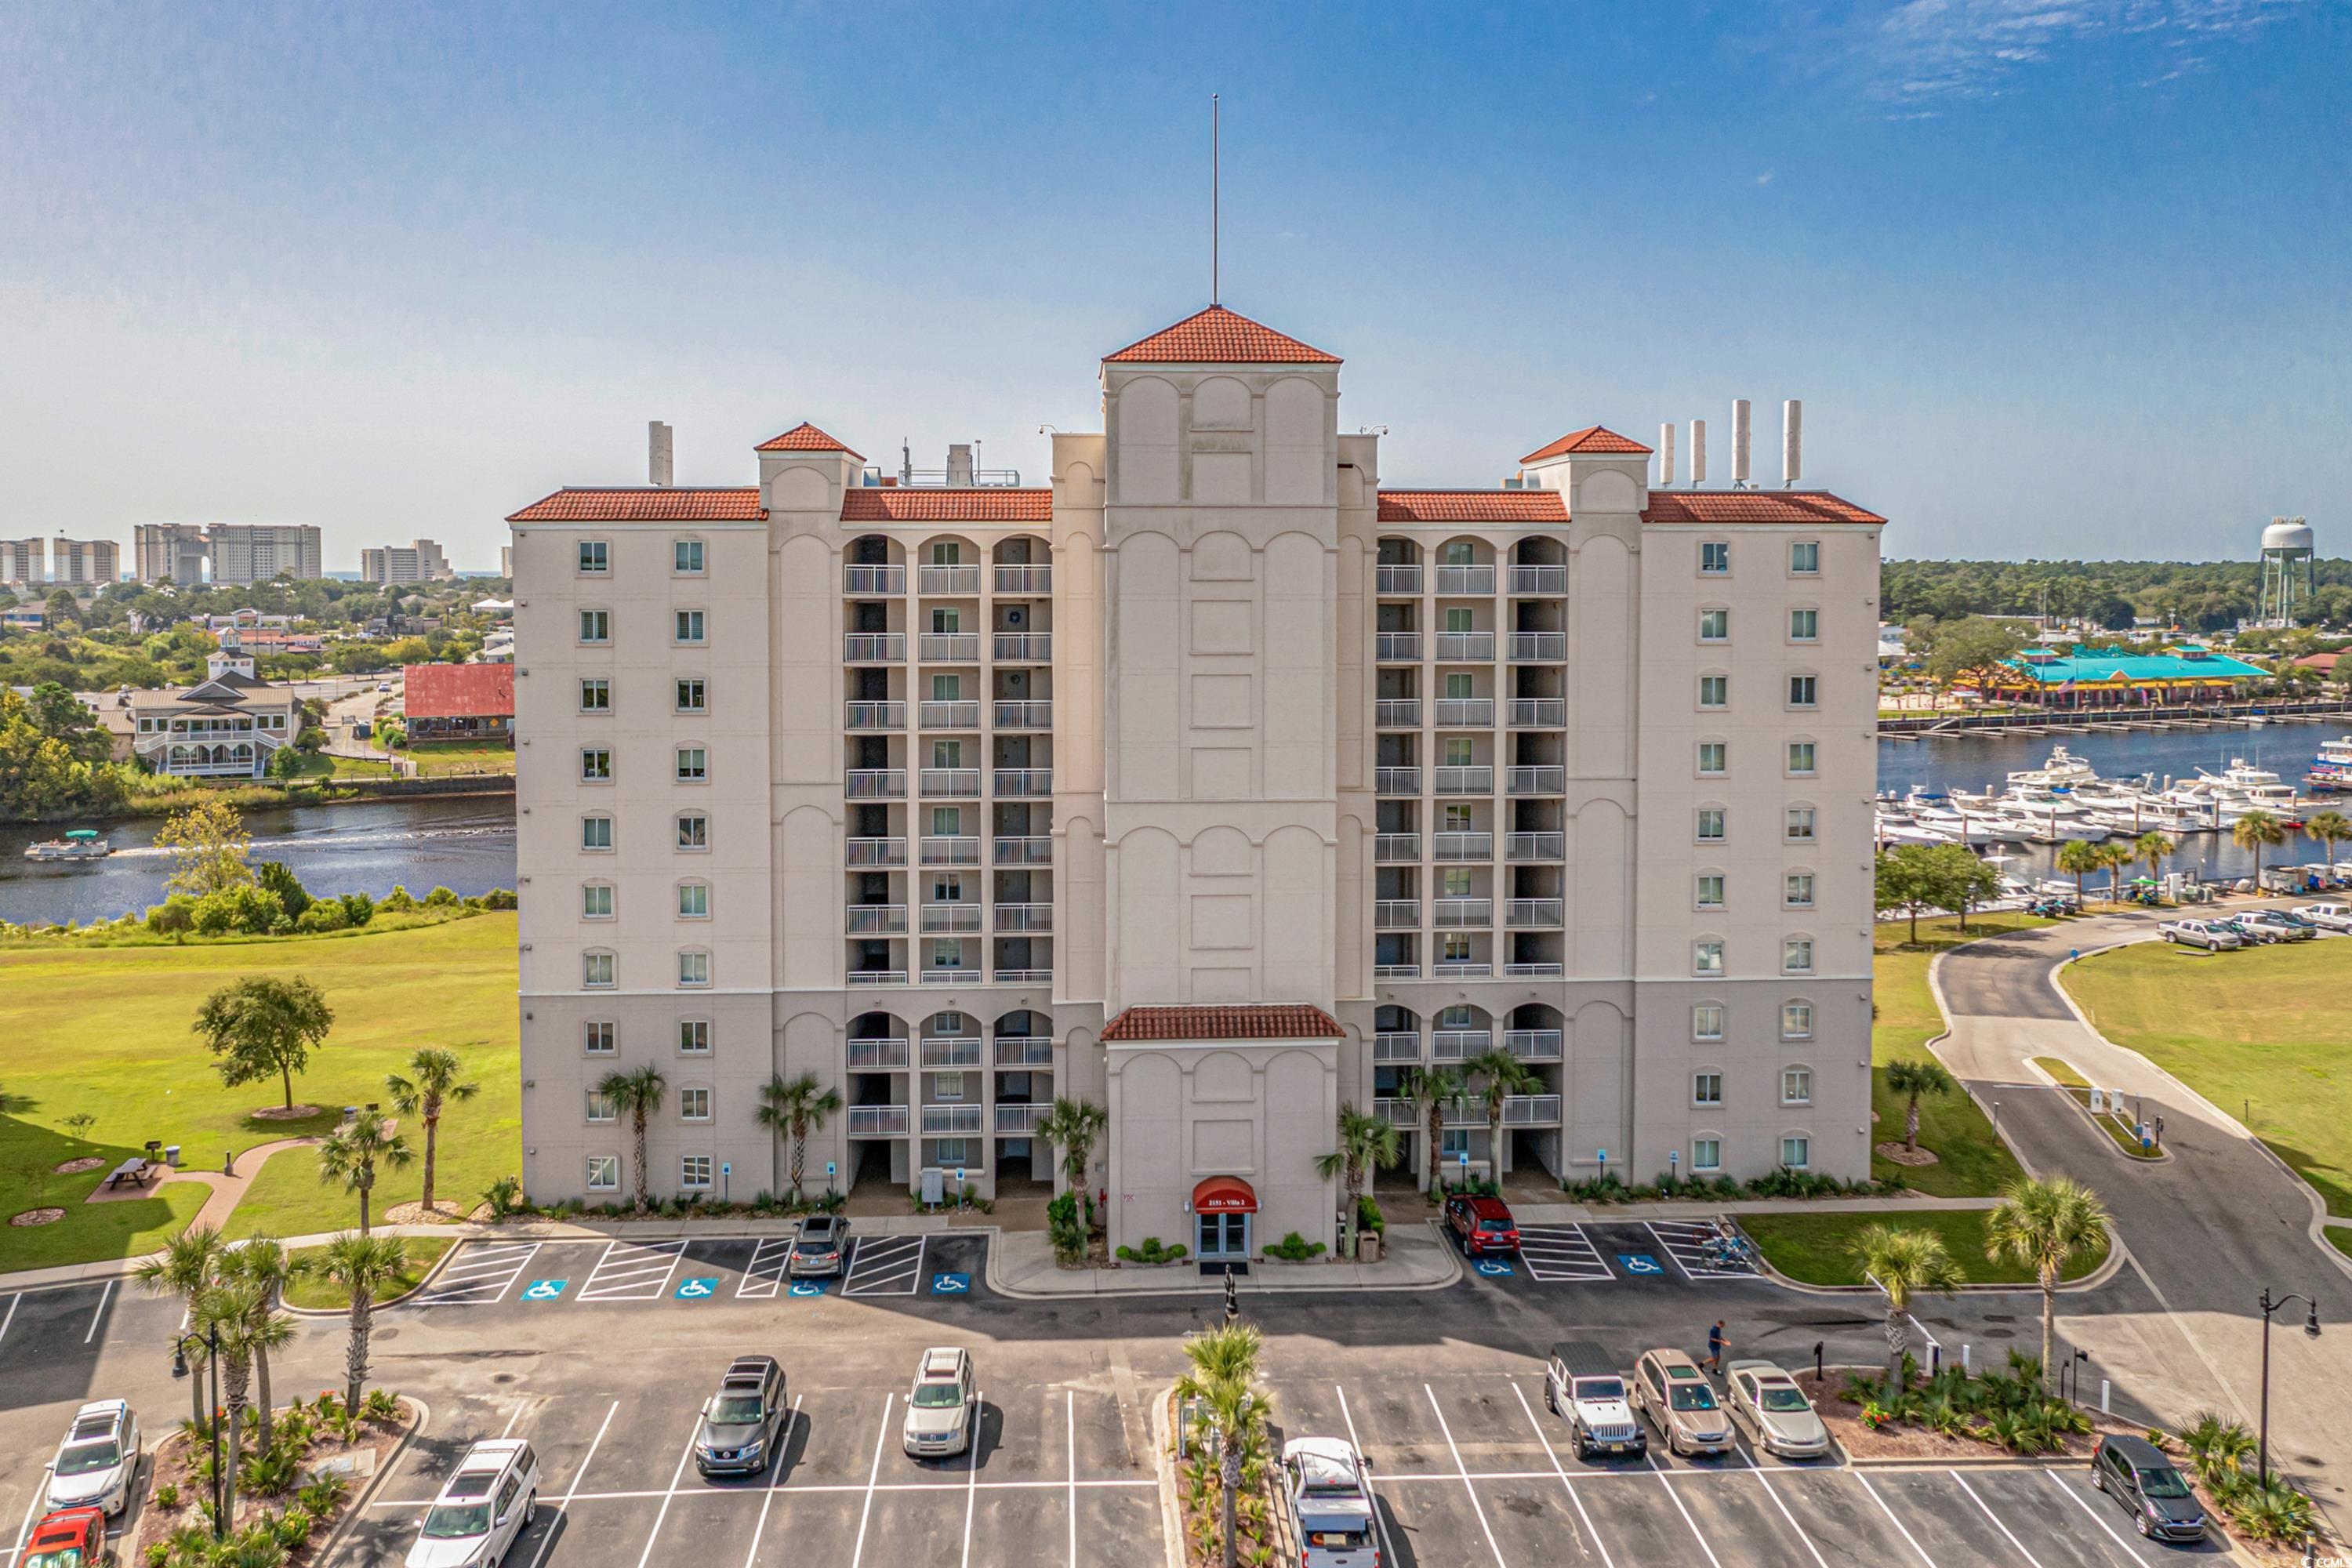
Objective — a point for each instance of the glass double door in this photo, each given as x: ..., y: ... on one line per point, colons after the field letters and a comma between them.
x: 1221, y: 1237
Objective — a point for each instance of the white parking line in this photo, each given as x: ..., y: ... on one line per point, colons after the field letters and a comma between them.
x: 971, y: 1471
x: 1891, y: 1520
x: 2083, y: 1503
x: 867, y: 1513
x: 11, y: 1318
x: 1565, y: 1483
x: 1388, y: 1549
x: 776, y: 1478
x: 97, y: 1317
x: 1111, y: 1484
x: 1988, y: 1513
x: 764, y: 1274
x: 632, y: 1271
x: 577, y: 1476
x: 1791, y: 1518
x: 1464, y: 1471
x: 40, y: 1486
x: 1556, y: 1253
x: 654, y: 1533
x: 1659, y: 1470
x: 1070, y: 1427
x: 479, y: 1274
x: 879, y: 1267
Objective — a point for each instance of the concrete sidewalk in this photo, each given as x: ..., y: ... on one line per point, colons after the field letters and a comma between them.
x: 1022, y: 1263
x: 1635, y: 1214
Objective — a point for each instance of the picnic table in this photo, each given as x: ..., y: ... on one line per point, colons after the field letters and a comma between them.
x: 134, y: 1170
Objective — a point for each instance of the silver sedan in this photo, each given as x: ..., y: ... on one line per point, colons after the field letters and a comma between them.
x: 1775, y: 1412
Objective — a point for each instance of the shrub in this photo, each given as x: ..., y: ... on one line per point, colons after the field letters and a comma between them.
x: 168, y: 1495
x: 441, y: 899
x: 1295, y: 1248
x: 499, y: 898
x: 397, y: 901
x: 358, y: 909
x: 248, y: 908
x: 172, y: 916
x: 1153, y: 1251
x: 380, y: 1406
x: 1067, y: 1230
x: 278, y: 878
x: 158, y: 1553
x: 504, y: 1196
x: 1368, y: 1215
x: 323, y: 1494
x: 294, y: 1527
x: 326, y: 915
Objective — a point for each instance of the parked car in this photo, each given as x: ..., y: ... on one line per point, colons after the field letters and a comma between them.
x: 2137, y: 1475
x: 2327, y: 917
x: 1331, y: 1502
x: 743, y: 1425
x: 1480, y: 1225
x: 2261, y: 925
x: 1581, y: 1384
x: 2215, y: 936
x: 483, y: 1506
x: 97, y: 1461
x: 1671, y: 1390
x: 818, y: 1247
x: 942, y: 1407
x: 69, y: 1538
x: 1778, y: 1416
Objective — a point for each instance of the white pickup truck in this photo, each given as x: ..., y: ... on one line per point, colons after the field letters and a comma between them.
x: 2212, y: 935
x: 1584, y: 1386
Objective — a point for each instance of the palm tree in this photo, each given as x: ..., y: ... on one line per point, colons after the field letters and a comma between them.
x: 2150, y: 848
x: 1434, y: 1091
x: 351, y: 1154
x: 1905, y: 1263
x: 1074, y: 1126
x: 2077, y: 858
x: 796, y: 1109
x: 366, y: 1264
x: 228, y: 1311
x: 640, y: 1094
x: 2043, y: 1225
x: 1911, y: 1080
x: 185, y: 1268
x: 1222, y: 1379
x: 438, y: 1082
x: 2258, y: 830
x: 1366, y: 1143
x: 1500, y: 1075
x: 2330, y: 827
x: 2115, y: 855
x: 264, y: 1264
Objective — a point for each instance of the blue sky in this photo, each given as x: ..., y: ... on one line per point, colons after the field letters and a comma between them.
x: 2052, y: 277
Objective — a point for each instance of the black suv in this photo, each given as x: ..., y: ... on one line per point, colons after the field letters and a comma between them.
x: 818, y: 1247
x: 743, y: 1425
x: 2132, y: 1471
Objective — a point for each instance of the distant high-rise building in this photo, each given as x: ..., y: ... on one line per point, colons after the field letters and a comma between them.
x: 421, y: 561
x: 173, y: 550
x: 255, y: 552
x: 94, y: 562
x: 505, y: 561
x: 21, y: 562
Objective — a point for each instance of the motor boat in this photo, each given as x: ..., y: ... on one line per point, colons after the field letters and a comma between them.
x: 2253, y: 788
x: 1894, y: 829
x: 2063, y: 770
x: 2036, y: 826
x: 2332, y: 769
x: 81, y: 844
x: 1958, y: 826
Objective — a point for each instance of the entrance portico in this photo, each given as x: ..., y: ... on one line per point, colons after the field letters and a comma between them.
x: 1224, y: 1209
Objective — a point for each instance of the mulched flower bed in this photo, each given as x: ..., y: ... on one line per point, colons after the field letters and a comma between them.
x: 35, y: 1216
x: 75, y: 1167
x: 173, y: 1473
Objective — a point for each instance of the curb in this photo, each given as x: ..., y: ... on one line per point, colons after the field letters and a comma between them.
x: 418, y: 1288
x: 1163, y: 1418
x: 2117, y: 1255
x: 1257, y: 1284
x: 359, y: 1505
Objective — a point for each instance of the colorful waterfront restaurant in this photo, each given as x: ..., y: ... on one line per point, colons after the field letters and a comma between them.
x: 2093, y: 678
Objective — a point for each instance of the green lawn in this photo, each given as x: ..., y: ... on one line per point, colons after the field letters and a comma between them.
x: 421, y: 1251
x: 437, y: 757
x: 105, y: 1031
x: 2263, y: 1033
x: 2340, y: 1239
x: 1972, y: 1162
x: 1812, y: 1248
x: 2064, y: 1071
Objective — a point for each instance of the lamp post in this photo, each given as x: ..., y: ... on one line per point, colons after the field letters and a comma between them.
x: 210, y: 1340
x: 2310, y: 1327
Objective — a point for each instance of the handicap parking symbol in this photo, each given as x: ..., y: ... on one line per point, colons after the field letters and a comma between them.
x: 1638, y: 1263
x: 697, y: 1289
x: 544, y: 1290
x: 808, y: 1287
x: 950, y: 1284
x: 1492, y: 1268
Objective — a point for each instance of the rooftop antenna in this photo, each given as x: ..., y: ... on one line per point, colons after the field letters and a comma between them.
x: 1215, y: 199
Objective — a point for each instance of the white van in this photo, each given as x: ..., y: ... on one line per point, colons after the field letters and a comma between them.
x: 484, y: 1504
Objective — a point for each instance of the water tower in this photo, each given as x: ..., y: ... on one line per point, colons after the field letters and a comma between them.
x: 2286, y: 570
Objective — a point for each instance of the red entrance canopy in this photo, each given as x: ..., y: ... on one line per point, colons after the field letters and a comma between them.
x: 1224, y: 1195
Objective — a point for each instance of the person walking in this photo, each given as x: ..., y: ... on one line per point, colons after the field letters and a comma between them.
x: 1714, y: 1348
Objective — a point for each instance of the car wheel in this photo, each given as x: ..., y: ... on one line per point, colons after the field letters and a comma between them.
x: 1551, y: 1400
x: 2099, y: 1477
x: 2139, y: 1522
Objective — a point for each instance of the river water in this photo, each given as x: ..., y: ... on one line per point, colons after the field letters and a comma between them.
x: 469, y: 845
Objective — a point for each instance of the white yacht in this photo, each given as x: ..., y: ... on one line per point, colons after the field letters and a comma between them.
x: 2064, y: 769
x: 1895, y: 827
x: 2252, y: 788
x: 2332, y: 769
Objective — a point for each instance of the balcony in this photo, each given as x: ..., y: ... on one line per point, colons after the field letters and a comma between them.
x: 1534, y: 914
x: 1545, y: 780
x: 1538, y: 712
x: 878, y: 1122
x: 873, y: 581
x: 947, y: 647
x: 1024, y: 648
x: 873, y: 648
x: 1397, y: 714
x: 947, y: 1120
x: 1465, y: 846
x: 1396, y: 914
x: 876, y: 784
x: 1396, y: 971
x: 947, y: 715
x: 878, y: 977
x: 1460, y: 647
x: 1396, y: 849
x: 1466, y: 712
x: 1460, y: 968
x: 1465, y: 579
x: 1538, y: 579
x: 953, y: 580
x: 1539, y: 647
x: 1533, y: 1045
x: 957, y: 919
x: 1023, y: 715
x: 1535, y: 847
x: 1396, y: 781
x: 952, y: 1050
x: 1535, y: 971
x: 874, y: 852
x: 1035, y: 850
x: 1024, y: 783
x: 1397, y: 647
x: 1024, y: 977
x: 874, y: 716
x: 950, y: 850
x: 1406, y: 1114
x: 950, y: 783
x: 876, y: 1055
x: 1401, y: 578
x: 875, y: 920
x: 1459, y: 914
x: 952, y: 975
x: 1021, y: 1119
x: 1012, y: 920
x: 1032, y: 580
x: 1461, y: 1044
x: 1024, y: 1051
x: 1531, y: 1110
x: 1477, y: 780
x: 1396, y: 1046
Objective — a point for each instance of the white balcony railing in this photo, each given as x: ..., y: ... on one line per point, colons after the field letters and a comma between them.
x: 875, y: 920
x: 1539, y: 647
x: 1024, y: 1051
x: 1394, y: 848
x: 1396, y: 781
x: 1396, y: 971
x: 955, y: 918
x: 876, y: 784
x: 1537, y: 713
x: 1538, y: 579
x: 1534, y: 914
x: 875, y: 1056
x: 1396, y: 914
x: 1402, y: 577
x: 874, y: 852
x: 1021, y: 1120
x: 874, y: 716
x: 947, y: 1120
x: 1465, y: 846
x: 1459, y: 647
x: 1032, y: 580
x: 1036, y: 849
x: 1533, y: 1045
x: 1460, y: 1045
x: 1466, y: 712
x: 1478, y: 779
x: 1024, y: 783
x: 873, y: 581
x: 878, y: 1121
x: 953, y: 580
x: 873, y: 648
x: 1535, y: 971
x: 1535, y: 847
x: 1465, y: 579
x: 951, y: 849
x: 1024, y: 648
x: 950, y: 782
x: 1396, y: 1046
x: 949, y: 715
x: 952, y: 975
x: 1024, y: 977
x: 1013, y: 919
x: 952, y: 1050
x: 947, y: 647
x: 1397, y: 647
x: 1531, y: 1110
x: 1397, y: 714
x: 1010, y: 715
x: 1461, y: 969
x: 1405, y: 1113
x: 1545, y: 780
x: 878, y: 977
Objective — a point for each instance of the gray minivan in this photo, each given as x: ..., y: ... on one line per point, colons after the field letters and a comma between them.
x: 2134, y: 1472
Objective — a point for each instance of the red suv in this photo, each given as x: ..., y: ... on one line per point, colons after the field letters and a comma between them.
x: 1481, y: 1225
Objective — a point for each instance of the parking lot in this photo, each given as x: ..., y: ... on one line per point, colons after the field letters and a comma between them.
x: 544, y: 1276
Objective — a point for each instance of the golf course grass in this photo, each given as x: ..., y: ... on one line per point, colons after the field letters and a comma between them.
x: 421, y: 1251
x: 2264, y: 1033
x: 105, y: 1033
x: 1812, y: 1248
x: 1970, y: 1162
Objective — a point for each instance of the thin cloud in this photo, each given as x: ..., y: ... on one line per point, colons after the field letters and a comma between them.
x: 1765, y: 178
x: 1924, y: 50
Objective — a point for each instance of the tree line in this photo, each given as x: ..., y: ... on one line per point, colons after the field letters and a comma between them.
x: 2202, y: 596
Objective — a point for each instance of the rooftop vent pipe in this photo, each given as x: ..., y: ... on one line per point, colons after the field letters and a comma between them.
x: 1698, y: 453
x: 1666, y: 454
x: 1792, y: 443
x: 1740, y: 442
x: 658, y: 469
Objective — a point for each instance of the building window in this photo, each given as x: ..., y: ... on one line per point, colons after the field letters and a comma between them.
x: 1796, y: 1086
x: 1453, y: 1144
x: 1707, y: 1021
x: 694, y: 967
x: 1707, y: 957
x: 600, y: 1108
x: 947, y: 688
x: 1797, y: 1020
x: 596, y: 970
x: 1797, y: 955
x: 1711, y: 755
x: 600, y: 1037
x: 1455, y: 950
x: 1800, y: 825
x: 595, y: 625
x: 694, y: 1036
x: 694, y: 1105
x: 1460, y: 618
x: 953, y: 1153
x: 1805, y: 557
x: 595, y: 557
x: 1801, y: 758
x: 1454, y: 882
x: 1706, y: 1089
x: 692, y: 697
x: 595, y: 764
x: 1707, y: 1155
x: 947, y: 1085
x: 1710, y: 891
x: 1461, y: 686
x: 596, y: 695
x: 1714, y: 690
x: 685, y: 557
x: 1457, y: 816
x: 596, y: 833
x: 947, y: 620
x: 694, y: 900
x: 596, y: 902
x: 1715, y: 626
x: 1460, y: 752
x: 1713, y: 557
x: 694, y: 1173
x: 1710, y: 825
x: 693, y: 764
x: 945, y: 553
x: 693, y: 830
x: 947, y: 754
x: 1804, y: 691
x: 1797, y: 1151
x: 1805, y: 626
x: 688, y: 627
x: 604, y: 1173
x: 1457, y: 552
x: 1797, y: 890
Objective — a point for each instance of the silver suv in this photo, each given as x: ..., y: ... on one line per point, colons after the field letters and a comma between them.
x: 743, y: 1425
x: 943, y: 1407
x: 819, y: 1246
x: 1331, y: 1503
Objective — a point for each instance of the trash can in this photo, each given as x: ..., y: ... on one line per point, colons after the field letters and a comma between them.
x: 171, y: 1155
x: 1367, y: 1247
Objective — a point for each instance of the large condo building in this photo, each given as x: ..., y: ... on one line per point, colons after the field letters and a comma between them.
x: 22, y: 563
x: 421, y: 561
x: 1208, y: 781
x: 256, y: 552
x: 173, y: 550
x: 85, y: 562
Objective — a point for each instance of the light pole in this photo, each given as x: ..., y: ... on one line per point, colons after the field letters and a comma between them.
x: 2310, y: 1327
x: 210, y: 1340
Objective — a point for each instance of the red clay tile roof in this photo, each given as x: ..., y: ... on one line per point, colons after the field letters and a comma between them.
x: 1591, y: 439
x: 460, y: 690
x: 803, y: 437
x: 1753, y: 506
x: 1219, y: 336
x: 1252, y: 1021
x: 1472, y: 506
x: 656, y: 504
x: 991, y: 504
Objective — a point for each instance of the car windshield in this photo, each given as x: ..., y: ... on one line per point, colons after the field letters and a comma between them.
x: 937, y: 1396
x: 81, y: 1459
x: 736, y: 1410
x: 64, y: 1557
x: 2164, y: 1481
x: 1495, y: 1225
x: 1599, y: 1388
x: 1781, y: 1399
x: 1693, y: 1397
x: 455, y: 1521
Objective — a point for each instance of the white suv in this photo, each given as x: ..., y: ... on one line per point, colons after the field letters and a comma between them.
x: 483, y: 1507
x: 97, y: 1461
x: 942, y: 1407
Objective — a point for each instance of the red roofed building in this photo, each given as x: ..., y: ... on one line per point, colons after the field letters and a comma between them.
x: 460, y: 701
